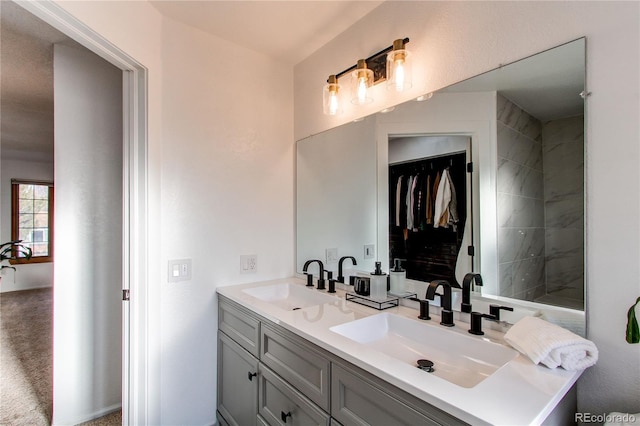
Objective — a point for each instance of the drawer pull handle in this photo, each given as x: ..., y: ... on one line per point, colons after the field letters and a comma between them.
x: 251, y: 375
x: 284, y: 415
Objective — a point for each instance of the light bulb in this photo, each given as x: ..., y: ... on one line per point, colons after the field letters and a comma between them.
x: 399, y: 83
x: 333, y: 103
x: 331, y: 97
x: 362, y: 79
x: 398, y: 67
x: 362, y: 89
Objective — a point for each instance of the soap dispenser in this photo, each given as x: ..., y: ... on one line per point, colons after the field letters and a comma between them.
x: 378, y: 284
x: 398, y: 277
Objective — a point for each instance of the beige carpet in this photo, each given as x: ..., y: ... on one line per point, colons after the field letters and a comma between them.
x: 25, y: 357
x: 26, y: 360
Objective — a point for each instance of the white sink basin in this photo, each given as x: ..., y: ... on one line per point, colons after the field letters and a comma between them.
x: 290, y: 296
x: 458, y: 358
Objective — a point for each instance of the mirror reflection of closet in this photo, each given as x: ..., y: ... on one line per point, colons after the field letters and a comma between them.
x: 430, y: 208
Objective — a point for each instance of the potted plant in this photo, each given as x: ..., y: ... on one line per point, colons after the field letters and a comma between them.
x: 12, y: 250
x: 633, y: 330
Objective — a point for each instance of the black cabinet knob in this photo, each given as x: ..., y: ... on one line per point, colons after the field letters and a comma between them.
x: 251, y: 375
x: 284, y: 415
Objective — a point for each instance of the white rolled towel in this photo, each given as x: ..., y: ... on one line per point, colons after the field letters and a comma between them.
x: 551, y: 345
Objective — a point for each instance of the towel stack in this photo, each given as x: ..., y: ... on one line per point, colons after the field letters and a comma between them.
x: 551, y: 345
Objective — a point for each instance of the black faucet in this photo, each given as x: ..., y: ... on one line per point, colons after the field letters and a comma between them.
x: 494, y: 310
x: 445, y: 300
x: 310, y: 276
x: 476, y: 322
x: 467, y: 282
x: 340, y: 277
x: 332, y: 282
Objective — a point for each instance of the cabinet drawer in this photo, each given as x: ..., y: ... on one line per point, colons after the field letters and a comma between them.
x: 297, y: 362
x: 237, y: 383
x: 281, y: 404
x: 239, y: 324
x: 358, y: 401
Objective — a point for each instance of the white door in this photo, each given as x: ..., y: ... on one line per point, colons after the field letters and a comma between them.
x: 88, y: 243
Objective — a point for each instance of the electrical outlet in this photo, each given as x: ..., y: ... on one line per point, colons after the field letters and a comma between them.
x: 369, y: 251
x: 248, y: 263
x: 179, y: 270
x: 331, y: 255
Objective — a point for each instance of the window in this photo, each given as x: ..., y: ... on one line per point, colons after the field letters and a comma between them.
x: 32, y: 218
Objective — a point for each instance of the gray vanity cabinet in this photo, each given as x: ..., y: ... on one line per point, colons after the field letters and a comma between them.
x: 359, y: 399
x: 281, y: 404
x: 237, y: 382
x: 300, y: 364
x: 241, y: 325
x: 268, y: 375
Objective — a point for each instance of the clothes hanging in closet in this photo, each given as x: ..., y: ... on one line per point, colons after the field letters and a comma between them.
x: 446, y: 213
x: 419, y: 203
x: 429, y: 244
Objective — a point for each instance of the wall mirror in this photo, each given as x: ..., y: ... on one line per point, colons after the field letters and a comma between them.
x: 523, y: 127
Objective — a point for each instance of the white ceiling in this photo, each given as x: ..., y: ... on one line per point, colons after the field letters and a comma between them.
x: 26, y: 87
x: 288, y: 31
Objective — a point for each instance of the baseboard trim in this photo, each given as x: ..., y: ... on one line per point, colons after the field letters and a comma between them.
x: 100, y: 413
x: 13, y: 290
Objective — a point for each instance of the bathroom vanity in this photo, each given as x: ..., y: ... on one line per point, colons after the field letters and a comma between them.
x: 290, y: 354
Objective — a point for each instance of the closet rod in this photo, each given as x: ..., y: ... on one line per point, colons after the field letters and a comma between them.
x: 433, y: 157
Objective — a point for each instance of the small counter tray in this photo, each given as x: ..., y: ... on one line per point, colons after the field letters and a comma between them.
x: 391, y: 302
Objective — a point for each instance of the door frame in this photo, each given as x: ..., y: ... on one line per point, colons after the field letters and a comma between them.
x: 484, y: 226
x: 136, y: 371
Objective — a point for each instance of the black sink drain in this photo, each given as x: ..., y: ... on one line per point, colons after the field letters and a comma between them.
x: 426, y: 365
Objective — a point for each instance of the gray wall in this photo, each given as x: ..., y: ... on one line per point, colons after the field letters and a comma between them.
x: 520, y: 203
x: 563, y: 153
x: 540, y: 205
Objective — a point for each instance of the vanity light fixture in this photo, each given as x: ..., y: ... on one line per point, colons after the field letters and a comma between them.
x: 390, y: 64
x: 398, y: 67
x: 331, y: 97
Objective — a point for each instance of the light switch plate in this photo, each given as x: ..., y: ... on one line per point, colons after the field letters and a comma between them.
x: 248, y: 263
x: 179, y: 270
x: 331, y: 255
x: 369, y: 251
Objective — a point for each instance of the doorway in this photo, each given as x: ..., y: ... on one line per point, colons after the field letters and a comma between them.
x: 134, y: 276
x: 430, y: 206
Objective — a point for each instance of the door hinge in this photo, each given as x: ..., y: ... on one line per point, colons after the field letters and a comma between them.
x: 471, y: 251
x: 125, y: 295
x: 470, y: 167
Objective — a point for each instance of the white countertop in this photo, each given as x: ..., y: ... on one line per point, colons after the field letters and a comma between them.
x: 519, y: 393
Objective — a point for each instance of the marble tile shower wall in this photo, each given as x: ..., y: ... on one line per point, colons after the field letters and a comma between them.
x: 521, y: 215
x: 563, y: 157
